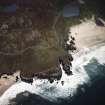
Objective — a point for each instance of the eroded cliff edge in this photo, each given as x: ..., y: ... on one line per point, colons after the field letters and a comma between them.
x: 33, y: 40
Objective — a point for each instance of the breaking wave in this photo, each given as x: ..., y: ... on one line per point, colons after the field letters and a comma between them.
x: 88, y: 67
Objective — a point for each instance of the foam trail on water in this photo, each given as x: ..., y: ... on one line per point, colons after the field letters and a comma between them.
x: 71, y: 83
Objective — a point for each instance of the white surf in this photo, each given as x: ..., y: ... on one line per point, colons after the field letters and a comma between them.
x: 71, y: 83
x: 85, y: 68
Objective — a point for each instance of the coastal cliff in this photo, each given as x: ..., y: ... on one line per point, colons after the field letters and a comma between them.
x: 31, y: 40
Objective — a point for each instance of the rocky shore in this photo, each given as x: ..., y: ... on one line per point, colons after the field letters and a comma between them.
x: 30, y: 43
x: 55, y: 73
x: 51, y: 74
x: 66, y: 61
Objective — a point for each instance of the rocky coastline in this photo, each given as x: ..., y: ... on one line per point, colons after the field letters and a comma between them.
x: 51, y: 74
x: 32, y: 46
x: 55, y: 73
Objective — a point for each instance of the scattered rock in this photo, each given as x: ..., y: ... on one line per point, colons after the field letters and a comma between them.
x: 51, y: 80
x: 99, y: 22
x: 70, y: 57
x: 17, y: 78
x: 71, y: 47
x: 72, y: 42
x: 81, y: 1
x: 73, y: 38
x: 62, y: 82
x: 60, y: 60
x: 27, y: 80
x: 5, y: 77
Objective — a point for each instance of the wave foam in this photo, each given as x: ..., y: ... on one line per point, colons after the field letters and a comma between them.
x: 71, y: 83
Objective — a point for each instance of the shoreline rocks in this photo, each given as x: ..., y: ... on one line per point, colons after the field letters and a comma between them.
x: 42, y: 59
x: 53, y: 73
x: 56, y: 74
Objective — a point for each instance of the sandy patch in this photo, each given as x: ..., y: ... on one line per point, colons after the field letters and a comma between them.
x: 88, y: 34
x: 7, y: 81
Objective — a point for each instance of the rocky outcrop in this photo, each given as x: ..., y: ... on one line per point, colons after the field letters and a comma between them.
x: 51, y: 75
x: 66, y: 61
x: 55, y: 73
x: 29, y: 43
x: 27, y: 80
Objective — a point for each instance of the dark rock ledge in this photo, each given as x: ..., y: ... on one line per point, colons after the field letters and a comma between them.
x: 56, y: 73
x: 29, y: 43
x: 53, y: 73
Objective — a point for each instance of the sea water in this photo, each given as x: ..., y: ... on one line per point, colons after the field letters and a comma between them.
x: 81, y: 88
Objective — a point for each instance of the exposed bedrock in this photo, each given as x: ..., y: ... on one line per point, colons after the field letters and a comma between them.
x: 30, y: 43
x: 56, y: 72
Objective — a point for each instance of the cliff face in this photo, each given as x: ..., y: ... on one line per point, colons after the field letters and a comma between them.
x: 28, y: 41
